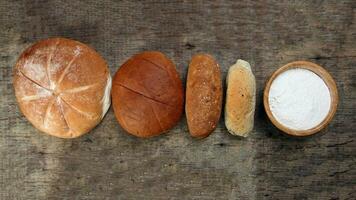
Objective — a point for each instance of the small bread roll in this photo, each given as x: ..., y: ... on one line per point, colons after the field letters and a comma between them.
x: 203, y: 95
x: 240, y: 99
x: 147, y: 94
x: 62, y: 87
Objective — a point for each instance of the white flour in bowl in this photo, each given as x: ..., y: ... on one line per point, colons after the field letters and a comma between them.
x: 299, y: 99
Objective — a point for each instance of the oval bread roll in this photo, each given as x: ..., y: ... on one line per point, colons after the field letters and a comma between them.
x: 62, y: 87
x: 240, y: 99
x: 147, y: 94
x: 203, y: 95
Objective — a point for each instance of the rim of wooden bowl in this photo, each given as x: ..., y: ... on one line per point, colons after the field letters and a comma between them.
x: 323, y: 74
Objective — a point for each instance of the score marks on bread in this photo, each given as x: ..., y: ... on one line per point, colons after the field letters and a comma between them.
x: 62, y: 87
x: 147, y: 94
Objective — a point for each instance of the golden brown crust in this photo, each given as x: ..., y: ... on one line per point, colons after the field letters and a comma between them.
x: 147, y: 94
x: 60, y: 86
x: 240, y: 99
x: 203, y: 95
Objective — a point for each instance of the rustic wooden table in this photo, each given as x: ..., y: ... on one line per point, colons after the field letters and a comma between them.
x: 107, y: 163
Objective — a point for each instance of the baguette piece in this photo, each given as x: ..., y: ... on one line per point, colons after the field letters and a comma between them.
x: 240, y: 99
x: 203, y: 95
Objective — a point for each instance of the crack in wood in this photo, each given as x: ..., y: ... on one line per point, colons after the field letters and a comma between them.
x: 330, y: 57
x: 189, y: 46
x: 339, y: 172
x: 339, y: 144
x: 222, y: 144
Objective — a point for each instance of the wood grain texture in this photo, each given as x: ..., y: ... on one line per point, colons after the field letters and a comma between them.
x: 110, y: 164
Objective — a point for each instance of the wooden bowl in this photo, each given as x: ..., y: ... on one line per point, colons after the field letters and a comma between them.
x: 330, y: 83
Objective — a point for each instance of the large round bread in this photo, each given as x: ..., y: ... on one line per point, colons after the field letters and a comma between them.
x: 62, y: 87
x: 147, y: 94
x: 203, y: 95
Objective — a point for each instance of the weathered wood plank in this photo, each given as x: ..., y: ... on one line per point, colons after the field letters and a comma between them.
x: 110, y: 164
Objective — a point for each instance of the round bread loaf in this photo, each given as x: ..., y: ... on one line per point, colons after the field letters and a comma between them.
x: 147, y: 94
x: 62, y: 87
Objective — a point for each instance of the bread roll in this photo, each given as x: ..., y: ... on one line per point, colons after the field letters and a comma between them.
x: 147, y: 94
x: 203, y: 95
x: 62, y: 87
x: 240, y: 99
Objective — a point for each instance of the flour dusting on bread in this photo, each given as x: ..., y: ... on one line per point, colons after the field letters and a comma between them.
x: 59, y: 85
x: 240, y: 99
